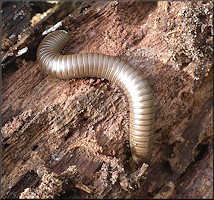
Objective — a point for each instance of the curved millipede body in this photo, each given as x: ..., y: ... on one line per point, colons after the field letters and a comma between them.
x: 114, y: 69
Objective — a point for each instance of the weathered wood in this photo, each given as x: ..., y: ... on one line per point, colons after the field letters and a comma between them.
x: 23, y: 22
x: 72, y: 135
x: 198, y: 179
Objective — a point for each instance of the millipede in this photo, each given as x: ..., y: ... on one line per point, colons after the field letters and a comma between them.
x: 127, y: 77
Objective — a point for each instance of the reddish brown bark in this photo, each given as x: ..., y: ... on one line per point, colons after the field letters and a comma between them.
x: 70, y: 138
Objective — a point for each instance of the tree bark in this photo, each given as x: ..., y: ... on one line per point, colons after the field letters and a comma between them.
x: 69, y: 138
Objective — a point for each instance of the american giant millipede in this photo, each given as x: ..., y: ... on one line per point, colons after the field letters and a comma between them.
x: 136, y: 87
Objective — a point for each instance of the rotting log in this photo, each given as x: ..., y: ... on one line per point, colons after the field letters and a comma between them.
x: 23, y: 24
x: 69, y: 139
